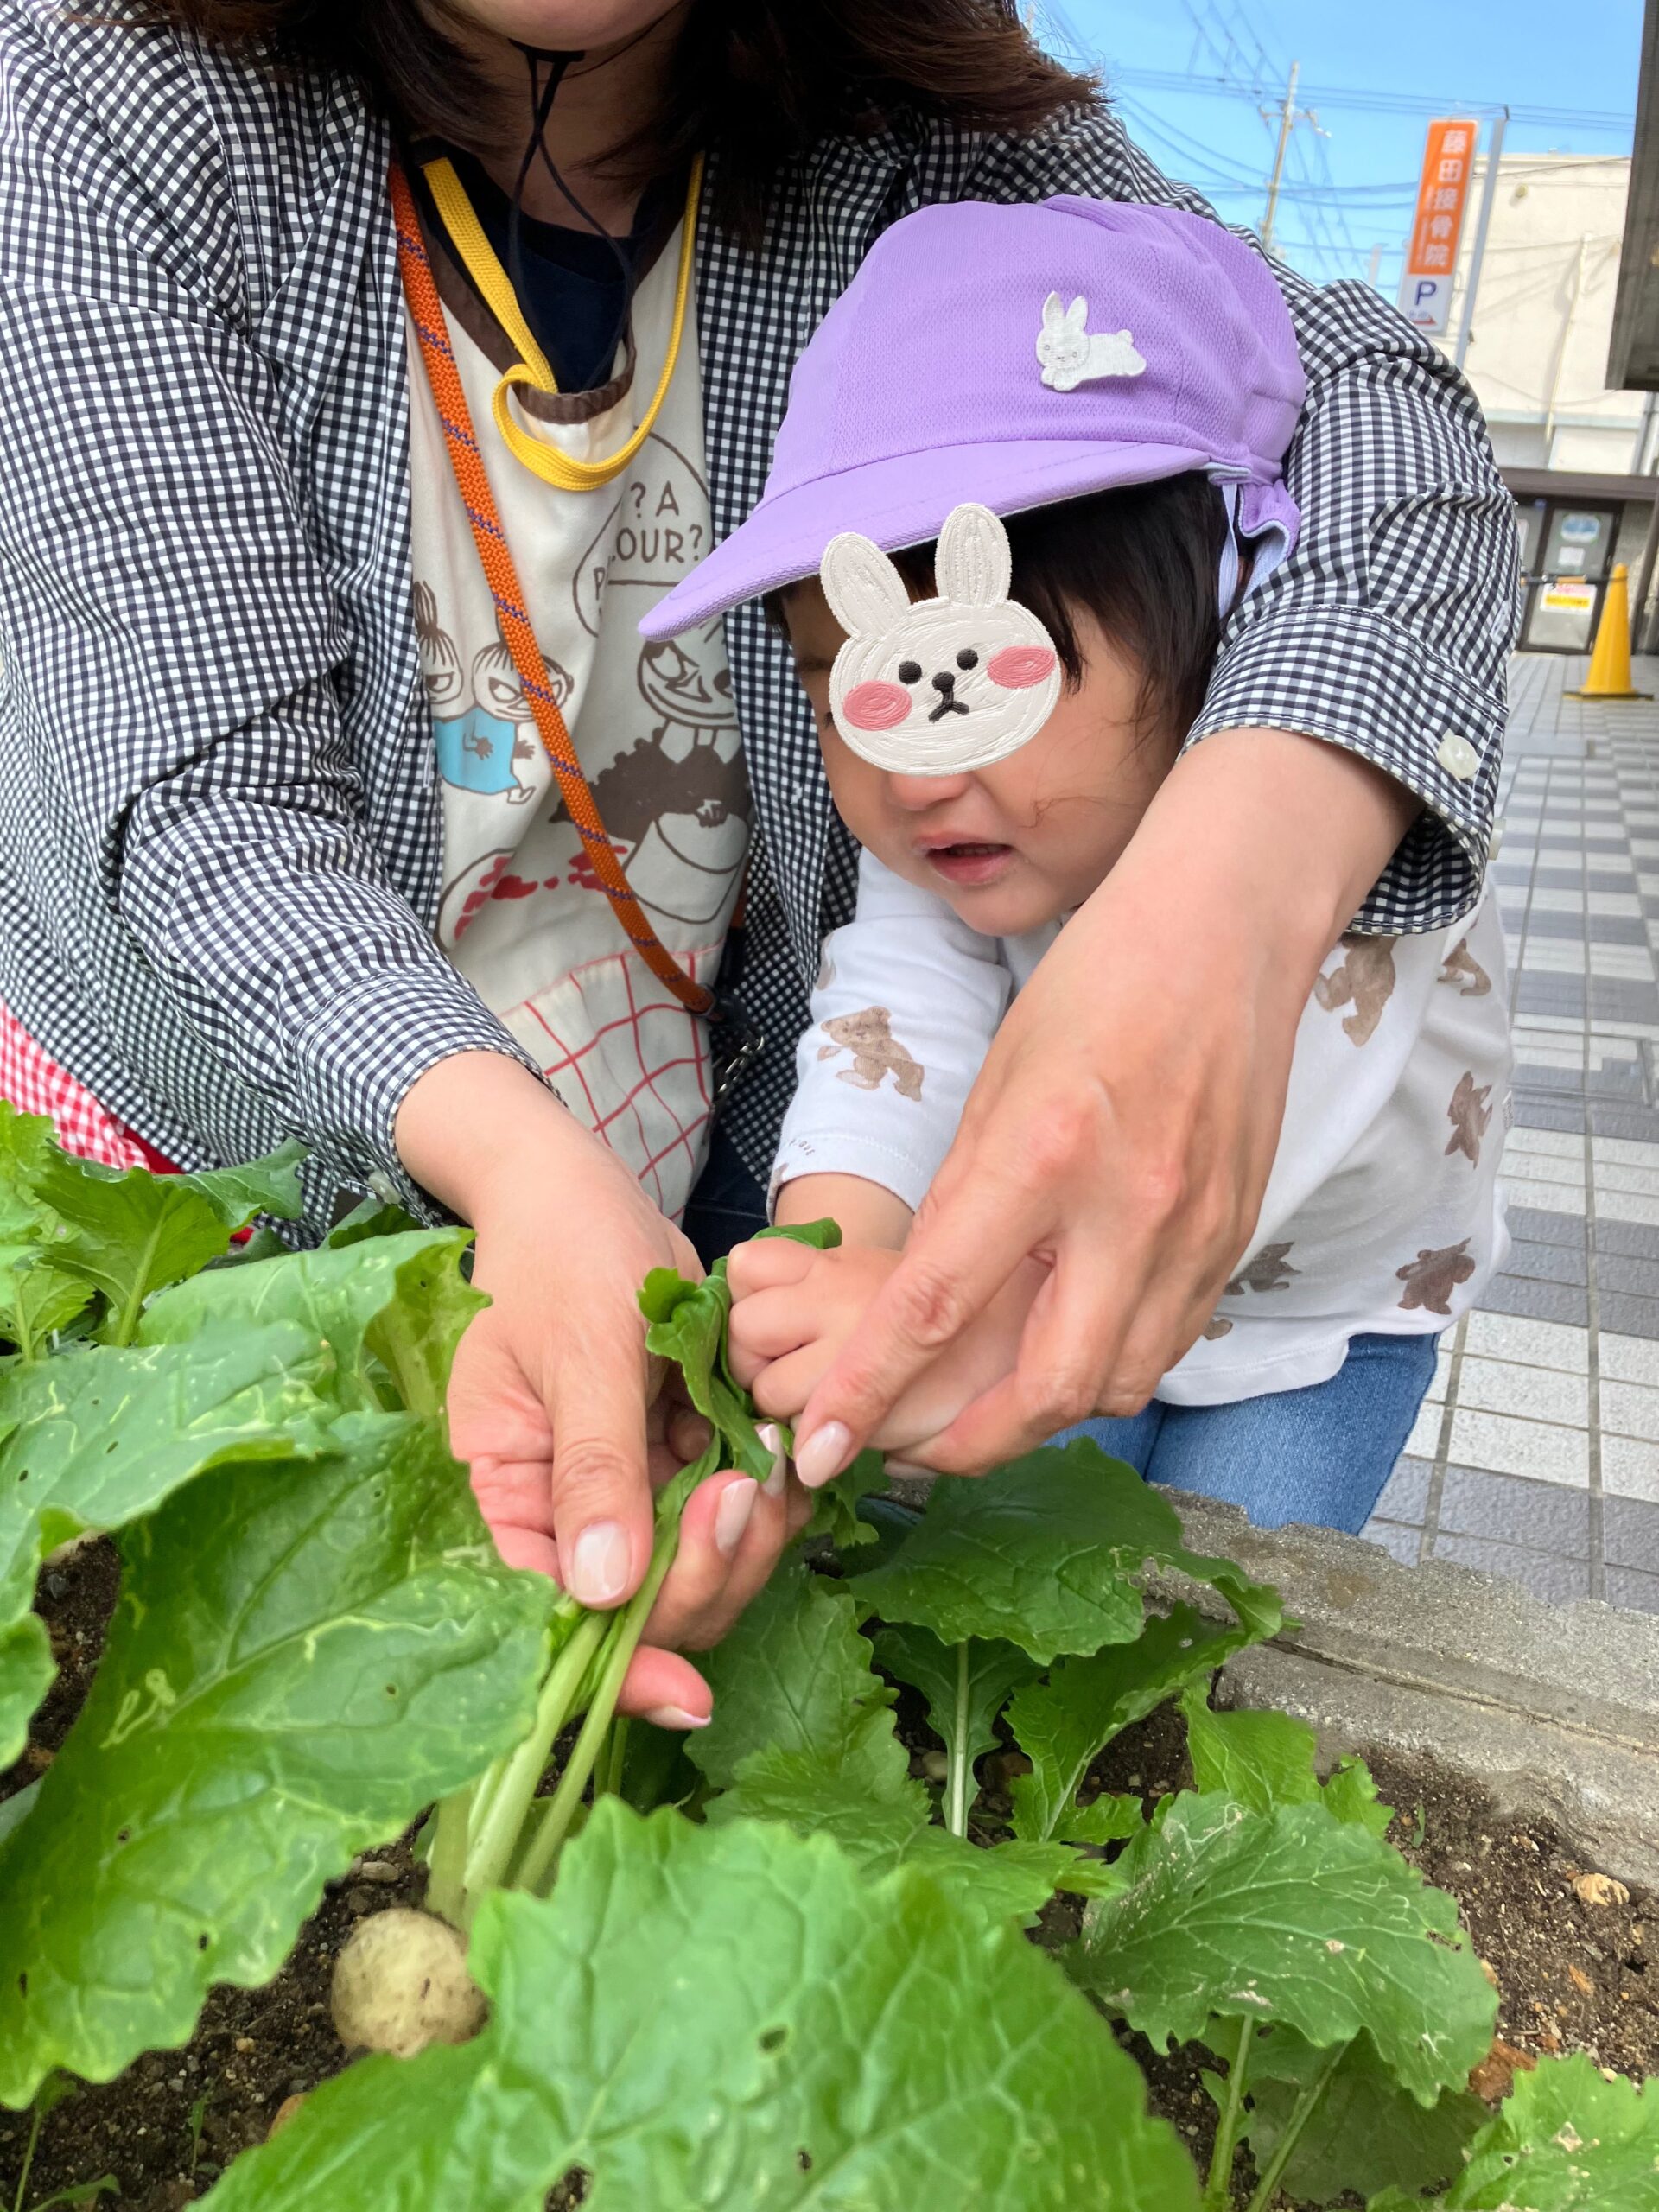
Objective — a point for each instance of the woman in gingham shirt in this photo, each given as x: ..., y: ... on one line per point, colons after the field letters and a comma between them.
x: 221, y: 833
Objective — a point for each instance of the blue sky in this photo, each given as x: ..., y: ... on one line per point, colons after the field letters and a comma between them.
x: 1570, y: 74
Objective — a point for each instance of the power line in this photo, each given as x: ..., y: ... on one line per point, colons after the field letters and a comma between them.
x: 1197, y: 81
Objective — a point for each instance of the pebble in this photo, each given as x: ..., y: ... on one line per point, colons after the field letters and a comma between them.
x: 244, y: 2043
x: 1600, y: 1889
x: 378, y: 1869
x: 935, y: 1765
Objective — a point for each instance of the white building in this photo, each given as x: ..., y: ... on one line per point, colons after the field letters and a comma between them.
x: 1576, y: 452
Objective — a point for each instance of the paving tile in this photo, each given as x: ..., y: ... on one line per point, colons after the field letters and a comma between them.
x: 1631, y: 1409
x: 1536, y: 1114
x: 1425, y: 1438
x: 1629, y: 1468
x: 1630, y: 1240
x: 1543, y: 1224
x: 1614, y: 1151
x: 1545, y: 1142
x: 1536, y: 1343
x: 1623, y: 1120
x: 1624, y: 1205
x: 1558, y: 1580
x: 1404, y: 1544
x: 1522, y: 1170
x: 1405, y: 1495
x: 1614, y: 1272
x: 1548, y: 1262
x: 1499, y: 1444
x: 1435, y: 1393
x: 1627, y: 1359
x: 1630, y: 1533
x: 1637, y: 1593
x: 1502, y: 1386
x: 1618, y: 1174
x: 1557, y: 1301
x: 1549, y: 1518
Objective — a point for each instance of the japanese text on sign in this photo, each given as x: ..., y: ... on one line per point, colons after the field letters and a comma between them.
x: 1442, y: 195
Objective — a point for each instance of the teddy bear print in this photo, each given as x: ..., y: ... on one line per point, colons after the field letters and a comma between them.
x: 1268, y: 1270
x: 1462, y: 969
x: 876, y: 1051
x: 1216, y: 1327
x: 1432, y: 1277
x: 1469, y: 1116
x: 1364, y: 977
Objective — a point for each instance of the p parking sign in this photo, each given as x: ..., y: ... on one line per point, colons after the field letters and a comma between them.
x: 1442, y: 198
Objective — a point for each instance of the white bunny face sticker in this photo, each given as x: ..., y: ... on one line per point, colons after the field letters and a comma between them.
x: 933, y: 687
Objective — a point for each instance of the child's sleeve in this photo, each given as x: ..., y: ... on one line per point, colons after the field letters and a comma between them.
x: 907, y: 1001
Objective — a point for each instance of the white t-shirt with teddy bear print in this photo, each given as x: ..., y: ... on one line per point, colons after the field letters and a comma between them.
x: 1383, y: 1213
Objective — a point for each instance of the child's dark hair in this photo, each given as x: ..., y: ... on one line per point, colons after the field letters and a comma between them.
x: 1144, y: 561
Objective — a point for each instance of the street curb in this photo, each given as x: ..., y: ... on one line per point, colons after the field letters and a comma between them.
x: 1553, y: 1709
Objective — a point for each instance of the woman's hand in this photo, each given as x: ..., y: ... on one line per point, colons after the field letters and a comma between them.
x: 795, y: 1308
x: 1123, y: 1128
x: 553, y: 1402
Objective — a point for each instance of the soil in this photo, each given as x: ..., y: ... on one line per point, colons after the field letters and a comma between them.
x: 1571, y: 1975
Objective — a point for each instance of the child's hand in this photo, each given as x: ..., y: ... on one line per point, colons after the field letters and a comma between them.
x: 794, y: 1309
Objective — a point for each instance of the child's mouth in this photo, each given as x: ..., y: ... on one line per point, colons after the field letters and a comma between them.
x: 970, y: 864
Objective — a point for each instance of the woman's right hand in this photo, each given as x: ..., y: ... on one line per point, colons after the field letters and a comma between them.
x: 553, y: 1401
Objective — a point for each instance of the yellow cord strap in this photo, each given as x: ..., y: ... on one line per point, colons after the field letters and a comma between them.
x: 482, y: 266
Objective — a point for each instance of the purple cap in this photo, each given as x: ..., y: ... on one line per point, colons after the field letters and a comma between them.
x: 1016, y: 356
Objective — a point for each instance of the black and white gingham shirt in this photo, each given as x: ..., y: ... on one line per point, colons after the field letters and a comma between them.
x: 220, y: 830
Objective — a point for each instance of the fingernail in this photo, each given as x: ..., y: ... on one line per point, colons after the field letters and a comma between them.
x: 675, y: 1716
x: 731, y: 1513
x: 599, y: 1564
x: 772, y: 1441
x: 824, y: 1454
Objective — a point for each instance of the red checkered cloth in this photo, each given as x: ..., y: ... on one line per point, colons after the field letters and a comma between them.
x: 33, y: 1081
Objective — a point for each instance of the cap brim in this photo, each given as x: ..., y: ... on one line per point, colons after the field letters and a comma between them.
x: 898, y: 502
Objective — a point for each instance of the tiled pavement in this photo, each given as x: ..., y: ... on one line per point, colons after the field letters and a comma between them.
x: 1538, y: 1454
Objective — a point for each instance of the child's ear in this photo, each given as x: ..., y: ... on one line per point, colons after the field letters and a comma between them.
x: 974, y: 564
x: 866, y: 592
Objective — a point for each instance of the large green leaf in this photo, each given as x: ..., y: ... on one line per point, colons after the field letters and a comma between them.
x: 303, y: 1654
x: 1565, y: 2140
x: 709, y: 2019
x: 1289, y: 1915
x: 391, y: 1310
x: 1063, y: 1726
x: 1267, y: 1758
x: 1047, y: 1553
x: 129, y: 1233
x: 94, y: 1439
x: 35, y: 1297
x: 965, y: 1689
x: 1364, y: 2133
x: 794, y: 1675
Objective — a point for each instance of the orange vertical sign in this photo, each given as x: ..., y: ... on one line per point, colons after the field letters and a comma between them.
x: 1442, y: 196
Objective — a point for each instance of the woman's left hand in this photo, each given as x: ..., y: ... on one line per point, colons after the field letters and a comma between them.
x: 1123, y: 1128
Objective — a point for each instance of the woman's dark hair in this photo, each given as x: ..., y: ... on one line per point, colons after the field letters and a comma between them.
x: 759, y: 79
x: 1143, y: 561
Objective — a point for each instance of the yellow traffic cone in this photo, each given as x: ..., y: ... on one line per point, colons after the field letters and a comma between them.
x: 1609, y: 664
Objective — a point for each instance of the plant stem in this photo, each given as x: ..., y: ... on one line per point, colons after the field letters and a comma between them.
x: 35, y: 2120
x: 608, y: 1778
x: 1302, y: 2113
x: 959, y: 1775
x: 446, y: 1882
x: 135, y: 1304
x: 619, y: 1648
x: 1220, y: 2189
x: 492, y: 1847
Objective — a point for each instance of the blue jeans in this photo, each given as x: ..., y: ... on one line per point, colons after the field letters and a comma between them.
x: 1320, y: 1455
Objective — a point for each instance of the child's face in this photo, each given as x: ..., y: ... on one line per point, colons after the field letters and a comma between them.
x: 1020, y: 843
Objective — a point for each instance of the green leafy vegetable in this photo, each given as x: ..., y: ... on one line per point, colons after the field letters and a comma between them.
x: 1365, y: 2134
x: 965, y: 1690
x: 1289, y: 1915
x: 1064, y: 1724
x: 93, y: 1439
x: 128, y: 1233
x: 1047, y: 1553
x: 623, y: 2041
x: 303, y: 1654
x: 1565, y: 2140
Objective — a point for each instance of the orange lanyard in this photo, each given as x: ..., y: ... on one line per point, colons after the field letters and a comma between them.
x: 426, y: 310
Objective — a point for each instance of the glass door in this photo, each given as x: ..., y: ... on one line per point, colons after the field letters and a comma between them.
x: 1565, y: 590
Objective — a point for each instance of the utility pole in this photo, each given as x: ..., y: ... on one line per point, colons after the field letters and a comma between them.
x: 1373, y: 275
x: 1286, y: 121
x: 1488, y: 194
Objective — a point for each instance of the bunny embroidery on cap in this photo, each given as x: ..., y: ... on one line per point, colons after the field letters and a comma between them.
x: 1072, y: 354
x: 933, y: 687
